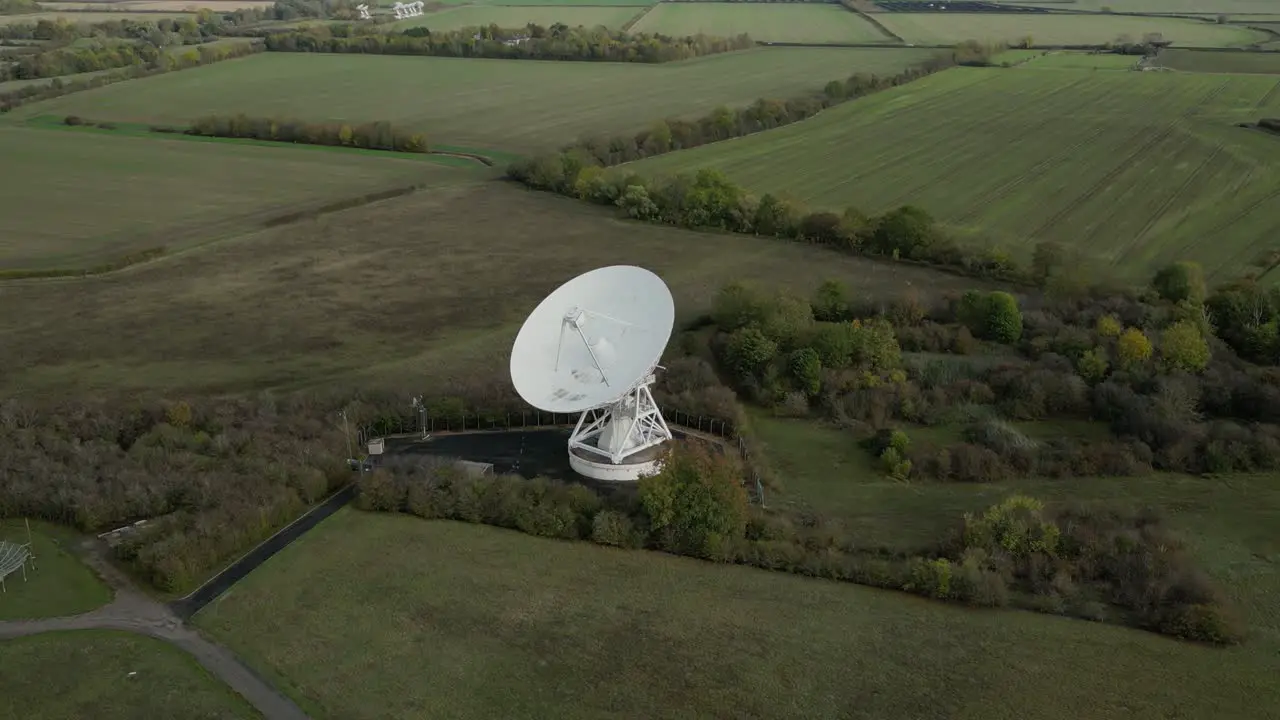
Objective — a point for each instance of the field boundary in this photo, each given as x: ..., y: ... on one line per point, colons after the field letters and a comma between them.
x: 849, y: 6
x: 635, y: 19
x: 126, y: 129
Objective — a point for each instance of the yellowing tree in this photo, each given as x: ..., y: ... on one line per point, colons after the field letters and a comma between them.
x: 1183, y: 347
x: 1109, y: 326
x: 1133, y: 349
x: 345, y: 135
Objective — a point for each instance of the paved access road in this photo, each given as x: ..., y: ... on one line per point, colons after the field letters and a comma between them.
x: 132, y: 611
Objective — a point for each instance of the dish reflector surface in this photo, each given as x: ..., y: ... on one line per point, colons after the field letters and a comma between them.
x: 619, y: 317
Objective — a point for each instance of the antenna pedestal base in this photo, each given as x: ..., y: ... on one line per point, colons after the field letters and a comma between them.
x: 621, y: 441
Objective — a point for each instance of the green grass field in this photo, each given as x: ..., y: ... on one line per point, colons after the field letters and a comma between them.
x: 370, y: 297
x: 59, y: 586
x: 109, y: 675
x: 439, y: 619
x: 613, y: 16
x: 89, y: 17
x: 807, y: 23
x: 1133, y: 169
x: 1221, y: 62
x: 1190, y: 7
x: 1048, y: 30
x: 512, y: 105
x: 91, y: 197
x: 1082, y: 61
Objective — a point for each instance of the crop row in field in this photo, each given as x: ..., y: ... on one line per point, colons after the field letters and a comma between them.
x: 1220, y: 62
x: 1134, y: 169
x: 474, y: 622
x: 157, y: 5
x: 613, y: 16
x: 798, y: 23
x: 511, y: 105
x: 1051, y: 30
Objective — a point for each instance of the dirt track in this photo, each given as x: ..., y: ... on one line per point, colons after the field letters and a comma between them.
x: 133, y: 611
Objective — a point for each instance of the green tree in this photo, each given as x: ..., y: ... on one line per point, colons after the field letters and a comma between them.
x: 736, y: 306
x: 775, y: 217
x: 831, y: 301
x: 1133, y: 349
x: 1183, y: 347
x: 786, y: 320
x: 806, y: 369
x: 659, y: 138
x: 907, y: 229
x: 748, y: 352
x: 1180, y: 281
x: 1003, y: 319
x: 1093, y: 365
x: 696, y: 502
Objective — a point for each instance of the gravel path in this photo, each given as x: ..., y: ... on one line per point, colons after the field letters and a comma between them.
x: 133, y: 611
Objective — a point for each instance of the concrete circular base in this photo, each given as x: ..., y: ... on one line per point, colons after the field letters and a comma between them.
x: 646, y: 464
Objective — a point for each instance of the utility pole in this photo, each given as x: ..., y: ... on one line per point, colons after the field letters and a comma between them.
x: 347, y: 432
x: 422, y: 414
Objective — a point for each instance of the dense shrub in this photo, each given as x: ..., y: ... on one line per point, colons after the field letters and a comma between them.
x: 696, y: 503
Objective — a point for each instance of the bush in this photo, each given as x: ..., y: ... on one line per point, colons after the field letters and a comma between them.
x: 1180, y: 281
x: 695, y: 501
x: 1203, y: 623
x: 931, y: 578
x: 613, y: 528
x: 1183, y: 347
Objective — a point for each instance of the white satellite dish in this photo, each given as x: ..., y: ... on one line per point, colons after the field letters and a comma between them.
x: 591, y: 346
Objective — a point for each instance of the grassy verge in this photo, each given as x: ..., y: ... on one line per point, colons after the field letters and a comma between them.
x: 109, y: 675
x: 60, y: 586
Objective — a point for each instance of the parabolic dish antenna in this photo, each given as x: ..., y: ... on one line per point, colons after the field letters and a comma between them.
x: 591, y: 346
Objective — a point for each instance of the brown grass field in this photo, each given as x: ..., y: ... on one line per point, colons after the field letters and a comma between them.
x: 426, y: 291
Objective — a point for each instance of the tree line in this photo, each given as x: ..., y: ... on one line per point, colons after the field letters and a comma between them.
x: 707, y: 199
x: 722, y: 123
x: 70, y: 61
x: 533, y: 42
x: 166, y: 62
x: 379, y: 135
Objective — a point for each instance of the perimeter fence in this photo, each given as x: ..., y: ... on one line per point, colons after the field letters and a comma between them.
x: 425, y: 423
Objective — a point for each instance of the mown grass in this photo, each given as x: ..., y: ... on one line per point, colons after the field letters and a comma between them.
x: 1134, y: 170
x: 1048, y: 29
x: 88, y: 197
x: 426, y: 291
x: 109, y: 675
x: 611, y: 16
x: 800, y: 23
x: 518, y: 106
x: 59, y: 586
x: 439, y: 619
x: 1220, y: 62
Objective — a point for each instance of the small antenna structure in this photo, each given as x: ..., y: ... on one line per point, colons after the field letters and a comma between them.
x: 592, y: 346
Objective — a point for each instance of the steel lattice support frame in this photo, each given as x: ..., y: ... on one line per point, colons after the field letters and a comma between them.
x: 648, y: 427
